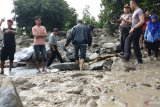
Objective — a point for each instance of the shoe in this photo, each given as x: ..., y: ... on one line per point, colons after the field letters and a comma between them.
x: 123, y: 57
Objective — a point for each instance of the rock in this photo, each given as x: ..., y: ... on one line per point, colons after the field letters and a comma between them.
x: 78, y: 74
x: 129, y: 68
x: 158, y: 87
x: 115, y: 47
x: 95, y: 45
x: 99, y: 76
x: 118, y: 64
x: 107, y: 65
x: 54, y: 70
x: 94, y: 56
x: 97, y: 65
x: 92, y: 103
x: 121, y: 103
x: 28, y: 86
x: 8, y: 94
x: 75, y: 90
x: 20, y: 81
x: 146, y: 84
x: 65, y: 66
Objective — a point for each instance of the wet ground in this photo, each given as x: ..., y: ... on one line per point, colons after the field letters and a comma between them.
x: 136, y: 88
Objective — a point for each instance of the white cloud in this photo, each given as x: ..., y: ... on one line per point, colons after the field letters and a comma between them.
x: 79, y: 5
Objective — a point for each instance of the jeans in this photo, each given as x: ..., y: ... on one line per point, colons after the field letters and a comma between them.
x: 54, y: 53
x: 40, y: 50
x: 82, y: 49
x: 124, y: 35
x: 133, y: 38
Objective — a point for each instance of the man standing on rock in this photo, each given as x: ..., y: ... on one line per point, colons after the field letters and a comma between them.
x: 53, y: 47
x: 125, y: 25
x: 9, y: 45
x: 135, y: 32
x: 39, y: 33
x: 80, y: 37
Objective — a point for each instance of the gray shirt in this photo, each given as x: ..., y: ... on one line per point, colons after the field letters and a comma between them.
x: 52, y: 39
x: 135, y: 17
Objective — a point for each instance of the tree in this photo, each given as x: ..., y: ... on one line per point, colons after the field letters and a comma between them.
x: 88, y: 18
x: 54, y: 13
x: 114, y: 8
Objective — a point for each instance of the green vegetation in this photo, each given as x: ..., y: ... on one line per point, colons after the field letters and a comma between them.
x: 54, y: 13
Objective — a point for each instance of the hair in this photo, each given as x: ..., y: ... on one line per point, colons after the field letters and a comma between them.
x: 79, y: 21
x: 136, y: 1
x: 37, y: 17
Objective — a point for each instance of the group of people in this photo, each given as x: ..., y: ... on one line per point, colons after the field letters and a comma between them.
x: 138, y: 28
x: 132, y: 27
x: 80, y: 37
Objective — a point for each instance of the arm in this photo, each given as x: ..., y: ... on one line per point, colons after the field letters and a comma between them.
x: 129, y: 21
x: 2, y: 20
x: 51, y: 42
x: 89, y: 38
x: 141, y: 22
x: 146, y: 33
x: 39, y: 35
x: 70, y: 37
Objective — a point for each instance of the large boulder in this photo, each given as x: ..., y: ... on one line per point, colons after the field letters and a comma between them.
x: 66, y: 66
x: 8, y: 94
x: 101, y: 65
x: 114, y: 47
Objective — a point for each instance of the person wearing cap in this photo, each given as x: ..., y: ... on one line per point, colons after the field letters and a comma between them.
x: 80, y: 37
x: 152, y: 36
x: 39, y: 33
x: 134, y: 33
x: 125, y: 25
x: 53, y: 47
x: 9, y: 45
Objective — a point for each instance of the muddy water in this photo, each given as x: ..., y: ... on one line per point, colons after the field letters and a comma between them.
x: 137, y: 88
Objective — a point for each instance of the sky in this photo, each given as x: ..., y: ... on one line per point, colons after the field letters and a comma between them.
x: 6, y: 6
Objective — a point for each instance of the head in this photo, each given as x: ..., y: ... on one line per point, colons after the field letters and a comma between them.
x: 154, y: 18
x: 9, y: 22
x: 147, y: 13
x: 134, y: 4
x: 37, y: 20
x: 55, y: 31
x: 79, y: 22
x: 126, y: 9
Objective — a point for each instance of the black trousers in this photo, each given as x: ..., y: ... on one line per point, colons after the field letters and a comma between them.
x: 124, y: 35
x: 153, y: 46
x: 133, y: 38
x: 54, y: 53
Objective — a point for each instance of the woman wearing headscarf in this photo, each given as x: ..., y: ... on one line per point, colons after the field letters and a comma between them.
x: 152, y: 36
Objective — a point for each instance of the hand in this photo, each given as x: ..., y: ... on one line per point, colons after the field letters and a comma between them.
x: 2, y: 20
x: 132, y: 30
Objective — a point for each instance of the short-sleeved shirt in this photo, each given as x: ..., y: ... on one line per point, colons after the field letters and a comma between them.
x: 52, y: 39
x: 125, y: 17
x: 9, y: 38
x: 135, y: 17
x: 39, y: 30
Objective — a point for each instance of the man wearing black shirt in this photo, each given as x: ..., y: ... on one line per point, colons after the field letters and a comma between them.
x: 9, y: 45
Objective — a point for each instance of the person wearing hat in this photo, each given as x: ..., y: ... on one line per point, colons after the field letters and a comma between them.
x: 9, y: 45
x: 53, y: 47
x: 125, y: 25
